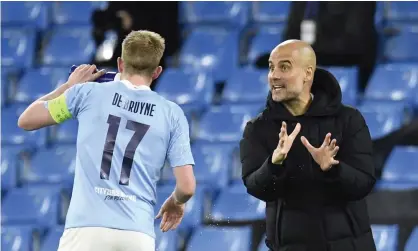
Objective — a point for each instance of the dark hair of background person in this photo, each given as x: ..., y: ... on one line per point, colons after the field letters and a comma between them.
x: 123, y: 17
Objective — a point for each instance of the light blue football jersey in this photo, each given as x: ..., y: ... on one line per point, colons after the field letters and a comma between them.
x: 125, y: 135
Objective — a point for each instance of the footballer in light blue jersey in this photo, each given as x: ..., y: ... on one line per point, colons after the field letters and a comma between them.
x: 125, y: 135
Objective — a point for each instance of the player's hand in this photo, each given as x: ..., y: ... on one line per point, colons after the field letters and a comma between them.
x: 172, y: 213
x: 325, y: 154
x: 285, y: 143
x: 84, y: 73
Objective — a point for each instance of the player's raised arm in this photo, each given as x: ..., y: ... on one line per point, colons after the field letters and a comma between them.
x: 53, y: 108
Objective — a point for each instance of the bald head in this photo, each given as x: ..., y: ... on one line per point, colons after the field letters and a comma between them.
x: 292, y: 66
x: 299, y: 50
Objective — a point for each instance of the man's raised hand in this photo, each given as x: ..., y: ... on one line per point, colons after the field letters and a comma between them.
x: 285, y: 143
x: 84, y: 73
x: 323, y: 155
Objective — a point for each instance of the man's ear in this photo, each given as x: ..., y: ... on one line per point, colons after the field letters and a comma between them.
x: 309, y: 74
x: 157, y: 72
x: 121, y: 65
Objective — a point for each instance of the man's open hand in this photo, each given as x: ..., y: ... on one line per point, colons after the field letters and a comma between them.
x: 324, y: 155
x: 285, y: 143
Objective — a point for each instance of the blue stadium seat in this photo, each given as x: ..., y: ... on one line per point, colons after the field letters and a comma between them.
x: 262, y: 246
x: 382, y: 84
x: 381, y: 124
x: 68, y: 46
x: 17, y: 47
x: 33, y: 85
x: 57, y: 75
x: 398, y: 166
x: 10, y: 72
x: 212, y: 165
x: 56, y: 165
x: 225, y: 123
x: 65, y: 133
x: 235, y: 204
x: 167, y: 241
x: 415, y: 102
x: 264, y: 42
x: 347, y: 77
x: 9, y: 166
x: 194, y: 211
x: 224, y: 13
x: 382, y: 118
x: 225, y: 238
x: 212, y: 50
x: 19, y: 238
x: 187, y: 88
x: 5, y: 83
x: 385, y: 237
x: 246, y: 85
x: 270, y: 11
x: 402, y: 47
x: 52, y: 239
x: 402, y: 11
x: 24, y: 14
x: 13, y: 135
x: 386, y: 106
x: 379, y: 16
x: 412, y: 242
x: 64, y: 13
x: 32, y: 205
x: 383, y: 185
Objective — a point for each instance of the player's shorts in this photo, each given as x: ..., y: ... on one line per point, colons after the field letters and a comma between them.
x: 104, y: 239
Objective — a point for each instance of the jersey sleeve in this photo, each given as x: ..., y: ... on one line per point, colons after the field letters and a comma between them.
x: 71, y: 103
x: 179, y: 151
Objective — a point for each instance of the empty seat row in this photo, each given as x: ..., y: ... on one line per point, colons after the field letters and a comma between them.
x: 43, y: 15
x: 212, y: 50
x: 196, y: 89
x: 244, y: 85
x: 216, y: 50
x: 13, y: 135
x: 214, y: 165
x: 33, y: 83
x: 208, y: 128
x: 219, y: 124
x: 63, y: 47
x: 27, y: 238
x: 241, y: 13
x: 24, y: 238
x: 385, y: 238
x: 217, y: 165
x: 46, y: 205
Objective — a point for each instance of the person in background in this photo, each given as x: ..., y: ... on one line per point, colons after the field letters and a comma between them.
x: 123, y: 17
x: 309, y: 158
x: 341, y: 33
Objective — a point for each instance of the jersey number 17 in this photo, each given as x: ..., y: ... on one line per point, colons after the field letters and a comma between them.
x: 140, y: 131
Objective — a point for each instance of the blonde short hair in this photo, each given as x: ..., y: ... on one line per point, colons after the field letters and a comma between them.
x: 142, y: 52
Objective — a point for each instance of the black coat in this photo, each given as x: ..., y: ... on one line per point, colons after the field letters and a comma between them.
x: 308, y: 209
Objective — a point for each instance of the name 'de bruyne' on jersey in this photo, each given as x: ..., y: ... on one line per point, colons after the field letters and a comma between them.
x: 133, y: 106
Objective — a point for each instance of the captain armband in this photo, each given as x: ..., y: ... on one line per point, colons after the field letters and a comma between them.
x: 58, y: 109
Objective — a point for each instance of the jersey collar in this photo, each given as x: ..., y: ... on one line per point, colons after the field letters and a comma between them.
x: 130, y: 85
